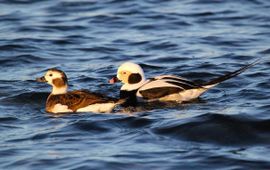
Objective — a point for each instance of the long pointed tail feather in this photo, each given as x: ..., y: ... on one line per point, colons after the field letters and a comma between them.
x: 218, y: 80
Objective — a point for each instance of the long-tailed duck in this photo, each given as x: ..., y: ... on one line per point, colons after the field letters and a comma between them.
x: 61, y: 100
x: 162, y: 88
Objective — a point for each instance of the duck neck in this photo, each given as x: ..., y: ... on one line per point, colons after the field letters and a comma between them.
x: 59, y: 90
x: 131, y: 87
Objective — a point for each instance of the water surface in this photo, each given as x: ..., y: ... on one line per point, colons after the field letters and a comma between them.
x: 228, y: 128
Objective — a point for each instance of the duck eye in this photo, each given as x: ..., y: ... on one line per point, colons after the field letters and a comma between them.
x: 50, y: 75
x: 124, y: 72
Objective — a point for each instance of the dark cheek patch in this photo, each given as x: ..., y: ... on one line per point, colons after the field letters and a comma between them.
x: 59, y: 82
x: 134, y: 78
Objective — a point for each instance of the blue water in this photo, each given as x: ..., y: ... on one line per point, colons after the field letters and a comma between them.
x: 227, y: 128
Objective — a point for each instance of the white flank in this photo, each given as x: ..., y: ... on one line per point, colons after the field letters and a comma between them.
x: 191, y: 94
x: 59, y: 108
x: 98, y: 108
x: 184, y: 95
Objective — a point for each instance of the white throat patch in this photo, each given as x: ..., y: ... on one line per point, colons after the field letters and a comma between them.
x: 130, y: 87
x: 59, y: 90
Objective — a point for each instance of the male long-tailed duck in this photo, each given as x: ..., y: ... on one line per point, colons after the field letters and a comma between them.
x: 61, y: 100
x: 162, y: 88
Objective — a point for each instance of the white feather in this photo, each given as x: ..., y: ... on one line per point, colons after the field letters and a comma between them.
x: 157, y: 84
x: 130, y: 87
x: 59, y: 108
x: 163, y: 81
x: 98, y: 108
x: 169, y: 76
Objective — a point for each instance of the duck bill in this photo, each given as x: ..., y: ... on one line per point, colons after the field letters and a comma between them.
x: 113, y: 80
x: 41, y: 79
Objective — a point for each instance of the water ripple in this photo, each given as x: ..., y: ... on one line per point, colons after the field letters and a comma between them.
x: 212, y: 127
x: 227, y: 128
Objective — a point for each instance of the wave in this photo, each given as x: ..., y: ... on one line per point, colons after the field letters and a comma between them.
x: 27, y: 98
x: 20, y: 59
x: 219, y: 129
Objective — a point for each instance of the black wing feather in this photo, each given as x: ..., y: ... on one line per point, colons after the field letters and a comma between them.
x: 158, y: 92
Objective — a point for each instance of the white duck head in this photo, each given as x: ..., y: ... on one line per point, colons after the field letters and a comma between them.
x: 131, y: 75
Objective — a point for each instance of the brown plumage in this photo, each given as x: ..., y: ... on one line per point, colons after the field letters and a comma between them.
x: 77, y: 99
x: 60, y: 100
